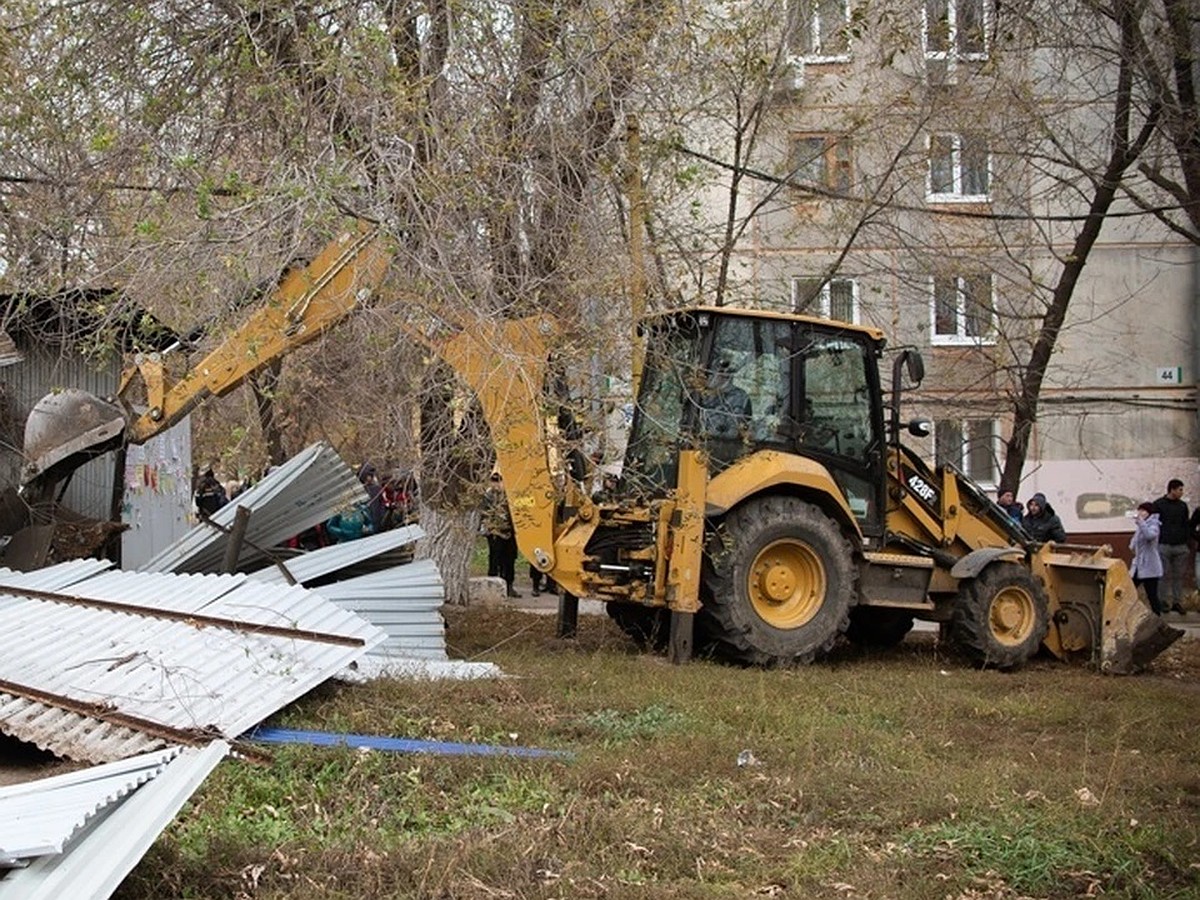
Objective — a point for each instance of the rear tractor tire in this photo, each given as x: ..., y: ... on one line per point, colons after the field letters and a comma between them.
x: 1002, y: 617
x: 778, y: 586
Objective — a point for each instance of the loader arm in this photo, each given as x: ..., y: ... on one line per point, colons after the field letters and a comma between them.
x: 1094, y: 610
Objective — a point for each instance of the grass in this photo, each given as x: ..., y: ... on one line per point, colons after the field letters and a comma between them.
x: 897, y: 775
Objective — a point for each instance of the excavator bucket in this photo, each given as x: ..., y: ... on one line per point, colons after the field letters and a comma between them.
x: 1095, y: 611
x: 65, y: 429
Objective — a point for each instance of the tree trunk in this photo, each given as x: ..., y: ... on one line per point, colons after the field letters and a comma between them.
x: 450, y: 538
x: 263, y: 385
x: 1125, y: 153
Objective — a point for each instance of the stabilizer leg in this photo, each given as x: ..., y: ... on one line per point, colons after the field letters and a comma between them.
x: 568, y: 615
x: 679, y: 649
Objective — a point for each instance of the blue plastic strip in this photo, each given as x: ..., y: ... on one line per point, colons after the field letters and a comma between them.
x: 395, y: 745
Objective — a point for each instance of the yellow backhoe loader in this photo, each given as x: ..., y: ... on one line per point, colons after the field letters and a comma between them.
x: 766, y: 507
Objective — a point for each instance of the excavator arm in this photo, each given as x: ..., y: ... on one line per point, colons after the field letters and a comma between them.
x: 307, y: 303
x: 68, y: 427
x: 503, y: 362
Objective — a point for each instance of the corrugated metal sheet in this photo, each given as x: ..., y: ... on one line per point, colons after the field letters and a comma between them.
x: 37, y: 818
x: 111, y: 844
x: 130, y: 662
x: 371, y: 667
x: 157, y: 505
x: 405, y: 602
x: 9, y: 354
x: 307, y: 489
x: 317, y: 563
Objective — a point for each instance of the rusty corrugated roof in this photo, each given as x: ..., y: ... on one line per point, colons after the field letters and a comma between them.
x: 122, y: 663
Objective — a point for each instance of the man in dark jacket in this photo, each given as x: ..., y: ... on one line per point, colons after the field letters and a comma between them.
x: 1194, y: 527
x: 1172, y: 544
x: 369, y: 478
x: 1041, y: 522
x: 497, y: 524
x: 210, y: 494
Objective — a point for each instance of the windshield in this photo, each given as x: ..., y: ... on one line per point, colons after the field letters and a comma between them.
x: 651, y: 458
x: 837, y: 413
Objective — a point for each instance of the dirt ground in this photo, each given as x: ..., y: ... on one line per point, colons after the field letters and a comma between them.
x: 21, y: 762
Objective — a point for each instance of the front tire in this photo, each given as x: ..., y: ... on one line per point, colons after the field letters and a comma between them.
x: 1001, y: 617
x: 778, y: 585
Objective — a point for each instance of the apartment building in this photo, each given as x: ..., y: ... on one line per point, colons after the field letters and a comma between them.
x: 935, y: 166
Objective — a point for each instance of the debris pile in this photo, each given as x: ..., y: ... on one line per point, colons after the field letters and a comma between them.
x: 154, y: 675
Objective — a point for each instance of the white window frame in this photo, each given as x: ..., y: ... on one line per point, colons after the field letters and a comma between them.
x: 806, y: 12
x: 967, y: 430
x: 825, y: 296
x: 952, y: 56
x: 955, y: 194
x: 960, y: 338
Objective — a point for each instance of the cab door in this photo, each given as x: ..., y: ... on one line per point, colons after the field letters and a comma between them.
x: 838, y: 416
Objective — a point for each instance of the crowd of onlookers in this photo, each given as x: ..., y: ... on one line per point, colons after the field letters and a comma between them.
x: 391, y: 502
x: 1164, y: 538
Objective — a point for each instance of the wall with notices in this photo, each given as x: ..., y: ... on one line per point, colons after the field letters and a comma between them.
x: 157, y: 505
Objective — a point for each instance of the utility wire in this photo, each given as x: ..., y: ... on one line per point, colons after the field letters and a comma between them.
x: 903, y: 207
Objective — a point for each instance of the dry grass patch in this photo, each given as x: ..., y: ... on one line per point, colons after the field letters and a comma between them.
x: 897, y: 775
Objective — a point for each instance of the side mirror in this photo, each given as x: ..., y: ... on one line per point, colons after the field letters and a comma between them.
x: 907, y: 362
x: 915, y: 366
x: 920, y: 427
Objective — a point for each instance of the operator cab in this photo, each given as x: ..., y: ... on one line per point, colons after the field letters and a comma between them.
x: 734, y: 382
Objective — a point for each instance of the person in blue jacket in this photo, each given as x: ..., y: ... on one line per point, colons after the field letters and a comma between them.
x: 1007, y: 502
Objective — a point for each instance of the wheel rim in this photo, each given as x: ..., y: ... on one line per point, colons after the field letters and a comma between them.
x: 787, y: 583
x: 1013, y: 615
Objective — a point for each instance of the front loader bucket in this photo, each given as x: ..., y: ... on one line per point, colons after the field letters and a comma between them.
x: 1095, y: 612
x: 67, y: 428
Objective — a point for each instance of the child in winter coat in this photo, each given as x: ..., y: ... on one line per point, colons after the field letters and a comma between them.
x: 1147, y: 565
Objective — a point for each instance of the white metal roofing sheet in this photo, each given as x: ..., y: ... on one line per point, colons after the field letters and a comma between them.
x: 317, y: 563
x: 405, y: 601
x: 39, y: 817
x: 372, y: 666
x: 307, y: 489
x: 160, y: 655
x: 98, y: 859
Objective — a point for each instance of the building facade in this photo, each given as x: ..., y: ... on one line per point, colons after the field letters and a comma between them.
x: 935, y: 168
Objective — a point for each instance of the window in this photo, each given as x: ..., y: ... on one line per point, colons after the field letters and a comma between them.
x: 971, y: 445
x: 958, y: 167
x: 822, y: 29
x: 833, y: 298
x: 963, y: 310
x: 836, y: 413
x: 955, y: 29
x: 822, y: 160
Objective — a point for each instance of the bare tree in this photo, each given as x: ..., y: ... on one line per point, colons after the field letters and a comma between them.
x: 477, y: 134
